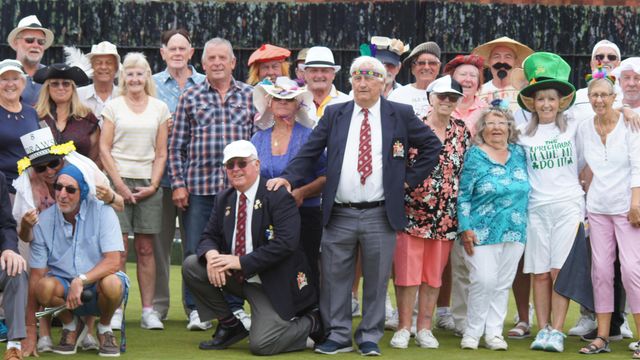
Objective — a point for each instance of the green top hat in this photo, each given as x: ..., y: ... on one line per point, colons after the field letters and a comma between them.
x: 545, y: 70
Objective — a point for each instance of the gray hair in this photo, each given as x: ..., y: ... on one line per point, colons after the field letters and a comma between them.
x: 370, y: 63
x: 532, y: 126
x: 215, y: 42
x: 512, y: 138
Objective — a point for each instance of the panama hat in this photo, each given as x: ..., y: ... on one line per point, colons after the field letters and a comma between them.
x: 320, y: 56
x: 545, y: 70
x: 30, y: 22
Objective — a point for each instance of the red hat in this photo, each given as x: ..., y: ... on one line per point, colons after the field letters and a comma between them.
x: 268, y: 52
x: 474, y: 60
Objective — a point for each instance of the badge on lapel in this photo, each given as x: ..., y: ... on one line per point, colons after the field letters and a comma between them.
x: 269, y: 233
x: 227, y: 211
x: 257, y: 205
x: 398, y: 149
x: 302, y: 280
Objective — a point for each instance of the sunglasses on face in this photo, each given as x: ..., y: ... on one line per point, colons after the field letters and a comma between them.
x: 610, y: 57
x: 31, y: 39
x: 242, y: 163
x: 430, y: 63
x: 451, y: 97
x: 64, y: 84
x: 51, y: 165
x: 70, y: 189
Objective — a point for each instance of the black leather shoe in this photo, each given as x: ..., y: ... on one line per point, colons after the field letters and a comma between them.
x: 317, y: 333
x: 225, y: 337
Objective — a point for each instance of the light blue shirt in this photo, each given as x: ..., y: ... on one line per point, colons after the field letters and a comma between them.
x: 493, y: 197
x: 169, y: 91
x: 68, y: 253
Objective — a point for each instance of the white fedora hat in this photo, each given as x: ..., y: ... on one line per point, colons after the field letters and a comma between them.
x: 284, y: 88
x: 104, y: 48
x: 320, y: 56
x: 30, y: 22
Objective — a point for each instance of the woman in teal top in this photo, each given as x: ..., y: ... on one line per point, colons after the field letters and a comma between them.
x: 492, y: 217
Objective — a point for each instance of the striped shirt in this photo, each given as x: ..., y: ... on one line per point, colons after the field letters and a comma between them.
x: 204, y: 124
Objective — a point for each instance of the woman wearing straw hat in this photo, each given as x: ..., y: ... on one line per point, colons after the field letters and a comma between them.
x: 284, y: 127
x: 556, y: 204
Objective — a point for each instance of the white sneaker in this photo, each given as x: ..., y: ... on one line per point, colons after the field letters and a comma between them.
x: 45, y: 344
x: 355, y: 307
x: 634, y: 345
x: 495, y: 343
x: 425, y: 339
x: 195, y: 324
x: 89, y: 343
x: 469, y: 342
x: 116, y: 320
x: 625, y: 330
x: 585, y: 325
x: 151, y: 321
x: 388, y: 308
x: 244, y: 318
x: 400, y: 339
x: 445, y: 322
x: 392, y: 322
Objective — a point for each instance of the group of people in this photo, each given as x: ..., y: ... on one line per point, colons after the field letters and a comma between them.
x: 288, y: 191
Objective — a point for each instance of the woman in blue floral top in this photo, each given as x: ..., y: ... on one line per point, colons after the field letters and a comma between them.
x: 492, y: 220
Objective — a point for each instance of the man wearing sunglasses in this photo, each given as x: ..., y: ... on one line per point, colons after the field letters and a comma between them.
x: 29, y: 40
x: 250, y: 248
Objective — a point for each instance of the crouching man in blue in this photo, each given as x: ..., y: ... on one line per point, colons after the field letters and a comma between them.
x: 13, y: 277
x: 77, y: 244
x: 250, y: 249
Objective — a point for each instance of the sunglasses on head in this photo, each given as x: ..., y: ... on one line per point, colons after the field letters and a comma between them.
x: 242, y: 163
x: 51, y: 165
x: 60, y: 83
x: 610, y: 57
x: 31, y: 39
x: 70, y: 189
x: 451, y: 97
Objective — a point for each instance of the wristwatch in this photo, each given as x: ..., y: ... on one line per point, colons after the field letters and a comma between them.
x: 84, y: 279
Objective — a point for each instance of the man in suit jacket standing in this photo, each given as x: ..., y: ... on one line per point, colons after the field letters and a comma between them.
x: 250, y: 249
x: 367, y: 142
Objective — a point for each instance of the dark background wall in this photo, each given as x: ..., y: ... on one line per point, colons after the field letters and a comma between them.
x: 569, y: 30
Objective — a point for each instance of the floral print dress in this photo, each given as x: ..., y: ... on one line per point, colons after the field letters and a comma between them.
x: 431, y: 206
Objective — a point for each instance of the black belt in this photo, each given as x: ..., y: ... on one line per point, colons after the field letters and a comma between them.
x: 360, y: 205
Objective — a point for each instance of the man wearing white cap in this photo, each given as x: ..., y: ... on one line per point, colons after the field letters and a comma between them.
x: 628, y: 75
x: 250, y: 248
x: 29, y: 40
x: 105, y: 62
x: 319, y: 72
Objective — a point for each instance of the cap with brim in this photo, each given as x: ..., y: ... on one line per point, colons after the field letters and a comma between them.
x: 239, y: 149
x: 632, y: 64
x: 388, y: 57
x: 428, y: 47
x: 268, y: 52
x: 284, y: 88
x: 61, y: 71
x: 30, y: 22
x: 444, y: 85
x: 11, y: 65
x: 543, y: 71
x: 104, y: 48
x: 521, y: 50
x: 320, y: 57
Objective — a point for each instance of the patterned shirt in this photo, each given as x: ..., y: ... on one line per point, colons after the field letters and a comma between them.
x: 431, y: 206
x: 493, y: 197
x: 204, y: 124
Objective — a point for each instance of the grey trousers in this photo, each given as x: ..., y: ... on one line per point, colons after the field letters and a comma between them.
x: 14, y: 303
x: 162, y: 251
x: 269, y: 333
x: 340, y: 238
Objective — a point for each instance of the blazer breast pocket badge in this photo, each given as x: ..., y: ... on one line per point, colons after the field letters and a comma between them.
x: 269, y: 233
x: 302, y: 280
x: 398, y: 149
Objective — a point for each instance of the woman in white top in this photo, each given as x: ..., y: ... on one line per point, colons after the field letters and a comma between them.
x: 612, y: 152
x: 556, y: 202
x: 133, y: 150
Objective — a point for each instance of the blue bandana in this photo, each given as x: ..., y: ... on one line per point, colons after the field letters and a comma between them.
x: 74, y: 172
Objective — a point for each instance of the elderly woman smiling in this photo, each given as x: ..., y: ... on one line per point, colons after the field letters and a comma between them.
x: 492, y: 219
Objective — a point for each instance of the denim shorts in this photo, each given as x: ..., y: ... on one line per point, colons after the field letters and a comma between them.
x: 91, y: 307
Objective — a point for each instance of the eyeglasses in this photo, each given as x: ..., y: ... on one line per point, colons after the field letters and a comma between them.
x: 596, y: 96
x: 242, y: 163
x: 610, y: 57
x: 423, y: 63
x: 496, y: 124
x: 63, y: 84
x: 70, y: 189
x: 451, y: 97
x: 31, y: 39
x: 51, y: 165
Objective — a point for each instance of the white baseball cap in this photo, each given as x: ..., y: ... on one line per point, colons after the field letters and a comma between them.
x: 239, y: 149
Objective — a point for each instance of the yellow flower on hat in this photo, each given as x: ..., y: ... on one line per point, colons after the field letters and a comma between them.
x: 62, y: 149
x: 23, y: 164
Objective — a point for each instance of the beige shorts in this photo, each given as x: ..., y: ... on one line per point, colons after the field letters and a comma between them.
x: 145, y: 217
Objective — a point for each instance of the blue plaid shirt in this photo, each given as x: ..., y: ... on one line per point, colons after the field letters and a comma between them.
x: 204, y: 124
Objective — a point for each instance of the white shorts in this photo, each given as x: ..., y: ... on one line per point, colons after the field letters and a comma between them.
x: 551, y: 231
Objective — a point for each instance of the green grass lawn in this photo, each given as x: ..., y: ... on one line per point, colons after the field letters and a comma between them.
x: 175, y: 342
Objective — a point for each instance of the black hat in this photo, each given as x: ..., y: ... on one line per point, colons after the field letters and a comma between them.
x: 61, y: 71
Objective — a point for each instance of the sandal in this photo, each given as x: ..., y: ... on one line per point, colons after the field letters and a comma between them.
x: 522, y: 330
x: 594, y: 349
x: 636, y: 354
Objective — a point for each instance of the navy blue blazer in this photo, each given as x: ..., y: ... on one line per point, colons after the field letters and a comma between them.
x: 276, y: 255
x: 8, y: 234
x: 401, y: 129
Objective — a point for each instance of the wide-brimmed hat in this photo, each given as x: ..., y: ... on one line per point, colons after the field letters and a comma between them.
x: 632, y: 63
x: 61, y: 71
x: 268, y: 52
x: 11, y: 65
x: 475, y: 60
x: 30, y: 22
x: 104, y: 48
x: 388, y: 51
x: 521, y: 50
x: 428, y: 47
x: 41, y: 148
x: 545, y: 70
x: 321, y: 57
x: 284, y: 88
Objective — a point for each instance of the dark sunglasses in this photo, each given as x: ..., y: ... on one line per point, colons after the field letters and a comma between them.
x: 51, y: 165
x: 31, y: 39
x: 70, y: 189
x: 452, y: 97
x: 611, y: 57
x: 230, y: 165
x: 64, y: 83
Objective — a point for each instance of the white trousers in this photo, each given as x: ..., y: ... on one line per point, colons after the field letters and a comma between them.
x: 491, y: 272
x: 459, y: 286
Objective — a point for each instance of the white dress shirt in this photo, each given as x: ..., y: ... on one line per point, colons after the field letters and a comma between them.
x: 248, y: 246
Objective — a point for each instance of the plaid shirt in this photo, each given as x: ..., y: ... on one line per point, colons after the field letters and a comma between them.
x: 204, y: 124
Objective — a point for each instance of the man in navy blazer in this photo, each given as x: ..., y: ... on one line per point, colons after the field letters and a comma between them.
x: 367, y: 143
x: 250, y: 249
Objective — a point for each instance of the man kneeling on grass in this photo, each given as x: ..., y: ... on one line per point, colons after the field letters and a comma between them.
x: 76, y: 247
x: 250, y: 249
